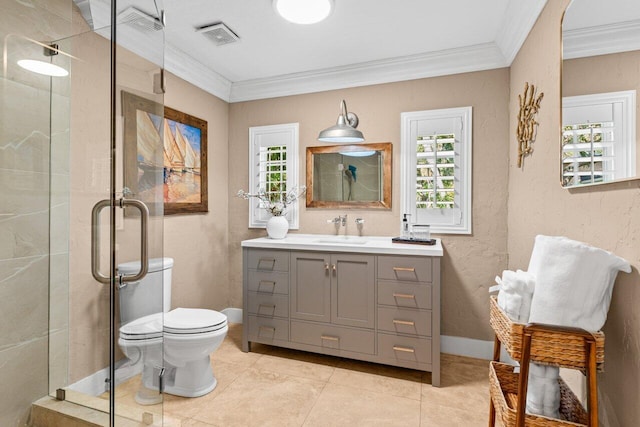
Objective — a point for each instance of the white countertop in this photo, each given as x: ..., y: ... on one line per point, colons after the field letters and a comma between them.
x: 333, y: 243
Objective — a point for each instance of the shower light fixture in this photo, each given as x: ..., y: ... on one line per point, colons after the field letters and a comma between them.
x: 344, y: 129
x: 42, y: 67
x: 303, y: 11
x: 36, y: 65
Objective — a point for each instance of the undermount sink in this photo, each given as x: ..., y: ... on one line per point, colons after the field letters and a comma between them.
x: 342, y: 240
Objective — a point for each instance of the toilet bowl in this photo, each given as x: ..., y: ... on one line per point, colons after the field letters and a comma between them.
x: 173, y: 346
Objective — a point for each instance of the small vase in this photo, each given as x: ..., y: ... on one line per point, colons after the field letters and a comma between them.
x: 277, y: 227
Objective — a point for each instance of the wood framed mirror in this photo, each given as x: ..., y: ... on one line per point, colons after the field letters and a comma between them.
x: 349, y: 176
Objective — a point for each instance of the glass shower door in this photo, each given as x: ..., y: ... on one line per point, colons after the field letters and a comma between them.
x: 115, y: 208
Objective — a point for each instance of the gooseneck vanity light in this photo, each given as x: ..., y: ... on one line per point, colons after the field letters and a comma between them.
x: 345, y: 128
x: 303, y: 11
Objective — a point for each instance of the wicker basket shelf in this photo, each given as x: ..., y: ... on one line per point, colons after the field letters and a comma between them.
x: 503, y: 383
x: 548, y: 347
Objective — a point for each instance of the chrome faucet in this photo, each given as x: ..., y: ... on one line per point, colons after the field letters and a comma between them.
x: 338, y: 221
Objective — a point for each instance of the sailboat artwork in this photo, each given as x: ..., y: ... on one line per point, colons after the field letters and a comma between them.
x: 167, y: 151
x: 181, y: 169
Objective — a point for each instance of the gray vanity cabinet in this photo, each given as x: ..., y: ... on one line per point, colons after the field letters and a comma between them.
x: 333, y: 288
x: 266, y: 296
x: 311, y: 286
x: 374, y: 307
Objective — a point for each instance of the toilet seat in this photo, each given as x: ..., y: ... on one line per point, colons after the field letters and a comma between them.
x: 193, y: 321
x: 180, y: 321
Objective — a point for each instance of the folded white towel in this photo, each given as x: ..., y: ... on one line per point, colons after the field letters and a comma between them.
x: 543, y: 391
x: 516, y: 292
x: 574, y: 282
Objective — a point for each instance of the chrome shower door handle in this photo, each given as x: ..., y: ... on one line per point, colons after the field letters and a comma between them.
x: 95, y: 241
x: 144, y: 238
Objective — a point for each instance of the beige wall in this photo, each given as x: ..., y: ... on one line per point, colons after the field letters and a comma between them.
x: 605, y: 216
x: 198, y: 242
x: 470, y: 262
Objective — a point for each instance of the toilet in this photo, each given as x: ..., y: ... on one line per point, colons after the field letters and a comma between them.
x: 178, y: 341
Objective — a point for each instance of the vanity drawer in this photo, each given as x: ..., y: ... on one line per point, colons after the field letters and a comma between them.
x: 268, y: 260
x: 268, y: 304
x: 268, y: 282
x: 404, y: 321
x: 265, y: 329
x: 407, y: 269
x: 334, y: 337
x: 401, y: 349
x: 404, y: 294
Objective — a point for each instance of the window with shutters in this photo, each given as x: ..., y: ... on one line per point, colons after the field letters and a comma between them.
x: 598, y: 138
x: 273, y: 167
x: 436, y: 169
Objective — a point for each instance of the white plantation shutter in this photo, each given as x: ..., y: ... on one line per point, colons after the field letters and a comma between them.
x: 598, y: 138
x: 273, y: 167
x: 436, y: 169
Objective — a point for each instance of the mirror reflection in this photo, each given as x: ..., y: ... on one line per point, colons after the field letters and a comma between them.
x: 600, y: 79
x: 349, y: 176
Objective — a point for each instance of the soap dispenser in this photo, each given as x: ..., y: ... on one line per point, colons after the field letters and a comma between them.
x: 406, y: 232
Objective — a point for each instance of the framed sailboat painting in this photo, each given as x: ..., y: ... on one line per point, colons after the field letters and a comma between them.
x: 165, y: 156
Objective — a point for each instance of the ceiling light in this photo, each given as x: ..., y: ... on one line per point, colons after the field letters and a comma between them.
x: 303, y: 11
x: 345, y: 128
x: 41, y: 67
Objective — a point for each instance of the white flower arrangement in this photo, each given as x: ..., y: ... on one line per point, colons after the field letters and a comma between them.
x: 274, y: 207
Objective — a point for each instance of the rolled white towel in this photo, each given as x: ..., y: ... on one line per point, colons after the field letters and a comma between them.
x: 543, y: 391
x: 516, y: 292
x: 574, y: 282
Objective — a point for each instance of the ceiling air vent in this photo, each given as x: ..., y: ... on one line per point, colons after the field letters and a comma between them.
x: 139, y: 20
x: 218, y: 33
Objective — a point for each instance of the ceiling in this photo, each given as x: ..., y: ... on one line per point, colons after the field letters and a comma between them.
x: 362, y: 42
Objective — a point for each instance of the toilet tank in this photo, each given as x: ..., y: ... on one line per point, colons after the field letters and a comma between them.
x: 151, y: 294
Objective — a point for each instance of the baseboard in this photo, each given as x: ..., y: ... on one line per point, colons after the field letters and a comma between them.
x: 234, y: 315
x: 470, y: 347
x: 95, y: 384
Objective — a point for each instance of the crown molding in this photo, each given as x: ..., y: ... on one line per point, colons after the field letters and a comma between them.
x: 517, y: 22
x: 188, y: 68
x: 452, y: 61
x: 601, y: 40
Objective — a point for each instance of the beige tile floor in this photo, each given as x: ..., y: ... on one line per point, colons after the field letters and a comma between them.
x: 278, y: 387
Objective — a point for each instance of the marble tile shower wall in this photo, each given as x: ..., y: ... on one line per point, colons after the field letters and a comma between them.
x: 34, y: 249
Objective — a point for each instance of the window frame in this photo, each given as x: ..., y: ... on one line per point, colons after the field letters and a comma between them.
x: 287, y: 135
x: 463, y: 163
x: 624, y: 128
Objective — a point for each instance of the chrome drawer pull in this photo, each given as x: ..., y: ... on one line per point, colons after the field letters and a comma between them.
x: 326, y: 266
x: 404, y: 349
x: 271, y: 260
x: 267, y: 282
x: 268, y: 328
x: 409, y: 269
x: 403, y: 322
x: 408, y: 296
x: 329, y: 338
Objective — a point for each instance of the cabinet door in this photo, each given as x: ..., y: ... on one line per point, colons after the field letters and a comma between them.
x: 353, y: 290
x: 310, y: 286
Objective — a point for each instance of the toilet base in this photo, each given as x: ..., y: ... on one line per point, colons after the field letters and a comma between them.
x: 147, y: 396
x: 194, y: 379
